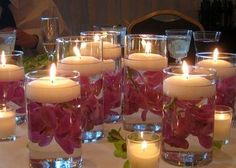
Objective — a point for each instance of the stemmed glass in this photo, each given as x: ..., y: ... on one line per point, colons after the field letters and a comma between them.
x: 50, y: 31
x: 178, y: 42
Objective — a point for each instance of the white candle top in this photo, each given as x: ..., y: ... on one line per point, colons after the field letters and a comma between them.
x: 146, y: 61
x: 223, y: 68
x: 10, y: 72
x: 61, y: 90
x: 191, y: 88
x: 79, y: 60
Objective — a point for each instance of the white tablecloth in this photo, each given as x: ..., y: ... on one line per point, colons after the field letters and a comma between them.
x: 100, y: 154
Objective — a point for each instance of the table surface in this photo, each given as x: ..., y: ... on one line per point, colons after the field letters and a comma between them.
x: 100, y: 154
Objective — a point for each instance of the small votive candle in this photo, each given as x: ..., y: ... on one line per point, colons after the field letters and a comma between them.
x: 7, y: 124
x: 223, y: 118
x: 143, y: 149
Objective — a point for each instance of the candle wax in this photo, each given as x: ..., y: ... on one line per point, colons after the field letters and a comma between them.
x: 223, y: 68
x: 10, y: 72
x: 192, y: 88
x: 146, y: 61
x: 7, y: 123
x: 45, y: 91
x: 222, y: 126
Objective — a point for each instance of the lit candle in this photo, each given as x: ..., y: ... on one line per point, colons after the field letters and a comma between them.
x: 52, y: 89
x: 222, y: 123
x: 86, y: 65
x: 223, y: 68
x: 143, y: 154
x: 188, y: 87
x: 10, y: 72
x: 147, y: 60
x: 7, y: 123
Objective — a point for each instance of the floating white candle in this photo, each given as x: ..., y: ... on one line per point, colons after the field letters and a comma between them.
x: 7, y: 123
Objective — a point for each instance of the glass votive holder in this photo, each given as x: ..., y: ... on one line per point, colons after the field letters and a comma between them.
x: 7, y: 124
x: 205, y: 41
x: 112, y: 73
x: 142, y: 86
x: 143, y: 149
x: 222, y: 125
x: 225, y: 66
x: 188, y: 115
x: 54, y: 118
x: 83, y: 54
x: 12, y: 83
x: 7, y: 40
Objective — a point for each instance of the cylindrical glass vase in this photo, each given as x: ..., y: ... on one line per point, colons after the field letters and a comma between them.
x: 225, y: 66
x: 188, y: 116
x: 144, y: 61
x: 84, y: 54
x: 12, y: 84
x: 112, y: 73
x: 54, y: 119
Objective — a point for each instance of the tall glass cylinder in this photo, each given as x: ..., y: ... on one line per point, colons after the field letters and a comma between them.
x: 12, y: 83
x: 112, y: 73
x: 225, y: 66
x: 84, y: 54
x: 144, y: 60
x: 54, y: 118
x: 188, y: 115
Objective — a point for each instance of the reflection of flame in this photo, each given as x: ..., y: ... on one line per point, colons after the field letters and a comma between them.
x: 215, y: 54
x: 52, y: 72
x: 143, y: 42
x: 76, y: 51
x: 83, y: 45
x: 147, y: 46
x: 3, y: 59
x: 144, y: 145
x: 96, y: 37
x: 185, y: 70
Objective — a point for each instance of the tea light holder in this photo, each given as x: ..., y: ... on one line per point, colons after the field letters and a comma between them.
x: 223, y: 118
x: 7, y: 124
x: 143, y: 149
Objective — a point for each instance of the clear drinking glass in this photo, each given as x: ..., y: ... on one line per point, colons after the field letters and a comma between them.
x: 84, y: 54
x: 142, y: 86
x: 12, y: 84
x: 178, y: 43
x: 206, y: 41
x: 54, y: 118
x: 112, y: 73
x: 50, y: 31
x: 7, y: 40
x: 188, y: 115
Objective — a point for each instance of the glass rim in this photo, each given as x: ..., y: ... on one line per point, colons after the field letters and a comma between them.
x: 14, y: 53
x: 148, y: 36
x: 12, y: 31
x: 30, y: 75
x: 178, y: 30
x: 49, y: 18
x: 222, y: 55
x: 77, y: 38
x: 155, y: 137
x: 100, y: 33
x: 212, y: 72
x: 223, y: 109
x: 207, y: 32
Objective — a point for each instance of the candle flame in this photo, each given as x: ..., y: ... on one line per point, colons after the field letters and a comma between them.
x: 141, y: 134
x: 52, y: 72
x: 3, y: 59
x: 144, y: 145
x: 185, y: 70
x: 77, y: 51
x: 215, y: 55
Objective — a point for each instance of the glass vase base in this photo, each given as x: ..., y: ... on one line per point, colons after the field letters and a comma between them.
x: 20, y: 119
x: 141, y: 127
x: 112, y: 119
x: 10, y: 138
x: 57, y: 162
x: 187, y: 158
x: 92, y: 136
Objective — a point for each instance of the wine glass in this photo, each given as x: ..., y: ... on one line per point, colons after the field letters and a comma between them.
x: 178, y: 42
x: 50, y: 31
